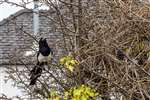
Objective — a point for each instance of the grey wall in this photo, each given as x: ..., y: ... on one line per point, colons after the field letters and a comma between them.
x: 14, y: 42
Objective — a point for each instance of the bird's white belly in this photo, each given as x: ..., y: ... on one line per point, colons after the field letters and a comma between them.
x: 42, y: 58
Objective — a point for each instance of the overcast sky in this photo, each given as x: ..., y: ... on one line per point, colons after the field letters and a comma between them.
x: 7, y: 9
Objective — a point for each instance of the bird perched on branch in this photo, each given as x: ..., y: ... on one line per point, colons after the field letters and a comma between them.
x: 44, y: 55
x: 120, y: 55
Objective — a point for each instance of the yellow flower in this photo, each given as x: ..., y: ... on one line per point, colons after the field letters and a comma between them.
x: 81, y: 92
x: 69, y: 62
x: 53, y: 95
x: 62, y: 61
x: 56, y: 98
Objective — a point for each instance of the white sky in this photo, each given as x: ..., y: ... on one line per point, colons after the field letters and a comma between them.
x: 5, y: 11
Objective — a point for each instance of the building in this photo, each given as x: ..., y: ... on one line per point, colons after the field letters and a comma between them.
x: 16, y: 35
x: 17, y: 41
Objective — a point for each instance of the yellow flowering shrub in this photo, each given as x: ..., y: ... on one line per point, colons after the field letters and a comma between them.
x: 69, y: 62
x: 82, y: 92
x: 53, y: 95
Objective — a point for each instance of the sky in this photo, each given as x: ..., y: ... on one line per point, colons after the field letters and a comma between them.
x: 5, y: 11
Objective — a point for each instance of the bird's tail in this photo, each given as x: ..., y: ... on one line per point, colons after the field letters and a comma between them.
x: 35, y: 73
x: 33, y: 81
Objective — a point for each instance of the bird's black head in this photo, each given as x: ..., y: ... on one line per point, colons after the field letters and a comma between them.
x: 43, y: 42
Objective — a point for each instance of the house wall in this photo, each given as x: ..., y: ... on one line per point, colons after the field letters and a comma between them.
x: 14, y: 41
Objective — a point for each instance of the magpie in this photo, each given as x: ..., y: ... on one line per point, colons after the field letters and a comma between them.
x: 120, y: 55
x: 43, y: 57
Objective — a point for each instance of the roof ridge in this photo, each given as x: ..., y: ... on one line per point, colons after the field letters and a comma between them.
x: 12, y: 16
x: 18, y: 13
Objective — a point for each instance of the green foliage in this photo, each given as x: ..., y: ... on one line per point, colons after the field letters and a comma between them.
x: 82, y: 92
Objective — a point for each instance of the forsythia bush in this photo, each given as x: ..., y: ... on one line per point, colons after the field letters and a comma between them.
x: 69, y: 62
x: 53, y: 95
x: 82, y: 92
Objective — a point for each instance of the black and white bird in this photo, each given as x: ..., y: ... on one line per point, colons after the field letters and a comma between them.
x: 44, y: 55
